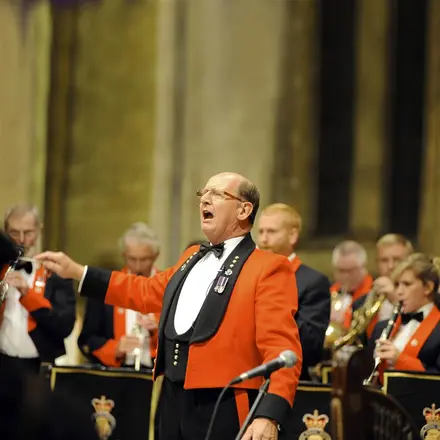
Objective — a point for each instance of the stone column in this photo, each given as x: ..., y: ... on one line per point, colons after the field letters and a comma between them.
x: 23, y: 97
x: 372, y: 50
x: 429, y: 237
x: 109, y: 128
x: 217, y: 99
x: 294, y: 174
x: 165, y: 197
x: 232, y: 87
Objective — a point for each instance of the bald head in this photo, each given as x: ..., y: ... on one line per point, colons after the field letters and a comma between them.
x: 228, y: 205
x: 231, y: 177
x: 244, y: 187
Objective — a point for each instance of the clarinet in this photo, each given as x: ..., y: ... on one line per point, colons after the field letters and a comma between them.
x: 386, y: 333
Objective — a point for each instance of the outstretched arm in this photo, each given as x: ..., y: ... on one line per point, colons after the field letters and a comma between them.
x: 115, y: 288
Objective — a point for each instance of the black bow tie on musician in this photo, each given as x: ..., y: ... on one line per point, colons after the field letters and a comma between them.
x: 24, y: 265
x: 407, y: 317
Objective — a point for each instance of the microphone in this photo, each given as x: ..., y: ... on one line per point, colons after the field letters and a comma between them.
x: 286, y: 359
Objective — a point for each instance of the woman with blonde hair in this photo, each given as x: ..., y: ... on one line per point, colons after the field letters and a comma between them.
x: 415, y: 341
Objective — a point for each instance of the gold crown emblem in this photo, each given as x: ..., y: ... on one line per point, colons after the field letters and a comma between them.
x: 432, y: 415
x: 105, y: 423
x: 103, y: 404
x: 315, y: 420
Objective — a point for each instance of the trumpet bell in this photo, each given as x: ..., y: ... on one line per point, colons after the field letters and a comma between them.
x: 333, y: 333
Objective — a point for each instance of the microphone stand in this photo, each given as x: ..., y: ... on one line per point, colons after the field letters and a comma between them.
x: 261, y: 393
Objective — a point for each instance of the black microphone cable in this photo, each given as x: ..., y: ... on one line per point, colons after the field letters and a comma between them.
x: 216, y: 407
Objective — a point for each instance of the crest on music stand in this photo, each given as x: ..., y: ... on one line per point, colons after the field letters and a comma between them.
x: 431, y: 431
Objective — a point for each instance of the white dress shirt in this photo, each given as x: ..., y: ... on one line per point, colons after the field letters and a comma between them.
x: 14, y: 336
x: 197, y: 285
x: 406, y: 332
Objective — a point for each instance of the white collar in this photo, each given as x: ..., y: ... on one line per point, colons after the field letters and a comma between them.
x: 231, y: 243
x: 426, y: 309
x: 292, y: 256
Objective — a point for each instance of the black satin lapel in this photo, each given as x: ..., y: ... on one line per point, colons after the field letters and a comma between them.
x: 214, y: 307
x: 173, y: 287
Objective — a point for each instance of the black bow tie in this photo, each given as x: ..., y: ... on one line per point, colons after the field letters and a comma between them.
x: 24, y: 265
x: 406, y: 317
x: 217, y: 249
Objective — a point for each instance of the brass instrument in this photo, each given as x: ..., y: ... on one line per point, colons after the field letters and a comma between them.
x: 361, y: 319
x: 137, y: 330
x: 4, y: 286
x: 335, y: 329
x: 386, y: 333
x: 139, y: 353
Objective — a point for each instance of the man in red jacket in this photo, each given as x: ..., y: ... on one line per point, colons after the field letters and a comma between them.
x: 225, y: 308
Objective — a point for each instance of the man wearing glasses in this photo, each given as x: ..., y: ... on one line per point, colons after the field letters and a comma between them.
x: 226, y: 308
x: 39, y: 312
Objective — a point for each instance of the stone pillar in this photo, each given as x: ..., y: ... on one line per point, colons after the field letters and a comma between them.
x: 110, y: 127
x: 429, y: 237
x: 23, y: 97
x: 294, y: 175
x: 372, y: 50
x: 232, y: 78
x: 217, y: 99
x: 165, y: 201
x: 64, y: 25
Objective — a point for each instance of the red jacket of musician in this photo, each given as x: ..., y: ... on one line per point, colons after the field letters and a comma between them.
x: 250, y: 323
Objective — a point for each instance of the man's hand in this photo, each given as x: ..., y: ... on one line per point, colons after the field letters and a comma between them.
x: 61, y: 264
x: 126, y: 345
x: 15, y: 279
x: 262, y: 429
x: 147, y: 322
x: 386, y: 286
x: 387, y: 351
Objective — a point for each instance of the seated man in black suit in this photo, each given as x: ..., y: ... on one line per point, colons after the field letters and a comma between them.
x: 279, y: 227
x: 111, y: 334
x: 39, y: 311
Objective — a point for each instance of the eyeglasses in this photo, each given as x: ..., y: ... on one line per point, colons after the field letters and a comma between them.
x: 217, y: 194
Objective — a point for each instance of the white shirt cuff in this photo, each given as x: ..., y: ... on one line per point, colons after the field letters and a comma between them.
x: 82, y: 279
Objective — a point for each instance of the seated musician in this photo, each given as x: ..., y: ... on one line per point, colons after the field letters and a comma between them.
x: 111, y: 334
x: 391, y: 249
x: 279, y: 228
x: 39, y: 310
x: 353, y: 281
x: 415, y: 342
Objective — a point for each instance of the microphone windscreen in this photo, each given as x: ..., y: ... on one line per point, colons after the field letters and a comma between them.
x: 289, y: 358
